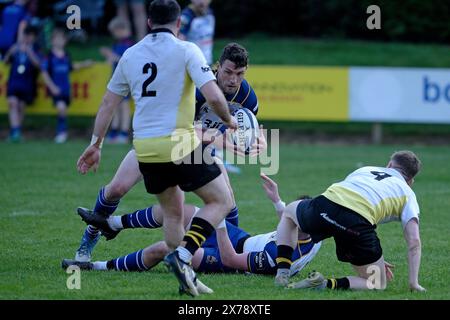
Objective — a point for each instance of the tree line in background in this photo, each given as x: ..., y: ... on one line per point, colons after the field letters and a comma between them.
x: 406, y: 20
x: 401, y: 20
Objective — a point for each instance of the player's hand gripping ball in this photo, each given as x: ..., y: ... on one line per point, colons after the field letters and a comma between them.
x: 248, y: 129
x: 247, y: 133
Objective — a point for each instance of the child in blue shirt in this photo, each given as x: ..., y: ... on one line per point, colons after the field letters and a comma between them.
x: 56, y: 70
x: 21, y: 86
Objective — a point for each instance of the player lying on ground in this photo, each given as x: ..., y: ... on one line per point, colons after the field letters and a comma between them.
x: 349, y: 211
x: 230, y: 74
x: 229, y: 249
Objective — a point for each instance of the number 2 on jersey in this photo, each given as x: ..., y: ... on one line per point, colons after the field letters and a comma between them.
x: 154, y: 72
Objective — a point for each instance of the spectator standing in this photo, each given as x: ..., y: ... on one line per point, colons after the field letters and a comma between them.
x: 198, y: 25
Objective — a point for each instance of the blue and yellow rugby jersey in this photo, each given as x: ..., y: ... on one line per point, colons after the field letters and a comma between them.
x: 262, y: 255
x: 261, y: 249
x: 378, y: 194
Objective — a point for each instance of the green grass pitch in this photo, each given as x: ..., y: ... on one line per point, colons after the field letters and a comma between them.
x: 40, y: 190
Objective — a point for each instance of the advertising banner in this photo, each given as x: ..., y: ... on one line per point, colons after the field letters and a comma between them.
x: 412, y: 95
x: 300, y: 93
x: 88, y: 88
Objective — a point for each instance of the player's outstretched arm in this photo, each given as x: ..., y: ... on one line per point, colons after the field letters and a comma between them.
x: 271, y: 189
x: 230, y: 258
x: 21, y: 30
x: 83, y: 64
x: 412, y: 237
x: 9, y: 53
x: 90, y: 159
x: 109, y: 55
x: 33, y: 56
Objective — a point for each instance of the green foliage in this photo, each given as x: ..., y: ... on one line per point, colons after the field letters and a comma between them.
x: 333, y: 52
x: 410, y: 20
x: 314, y: 52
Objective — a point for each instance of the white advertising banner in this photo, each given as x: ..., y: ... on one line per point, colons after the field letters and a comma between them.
x: 400, y: 95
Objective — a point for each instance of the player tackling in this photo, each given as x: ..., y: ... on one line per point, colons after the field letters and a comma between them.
x: 230, y: 73
x: 349, y: 211
x: 161, y: 73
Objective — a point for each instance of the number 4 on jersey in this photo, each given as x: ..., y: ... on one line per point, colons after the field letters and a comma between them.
x: 380, y: 175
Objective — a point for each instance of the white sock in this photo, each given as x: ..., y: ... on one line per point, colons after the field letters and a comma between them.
x: 115, y: 223
x: 100, y: 265
x: 184, y: 254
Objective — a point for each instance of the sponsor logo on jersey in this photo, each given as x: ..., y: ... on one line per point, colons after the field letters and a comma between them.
x: 327, y: 218
x: 211, y: 260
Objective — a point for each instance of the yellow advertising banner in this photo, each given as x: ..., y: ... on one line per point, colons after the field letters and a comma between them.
x: 301, y: 93
x: 284, y: 92
x: 88, y: 87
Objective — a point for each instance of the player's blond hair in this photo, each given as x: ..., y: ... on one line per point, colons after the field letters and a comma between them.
x: 407, y: 163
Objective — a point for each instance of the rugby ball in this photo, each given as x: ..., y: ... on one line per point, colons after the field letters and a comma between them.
x: 247, y: 131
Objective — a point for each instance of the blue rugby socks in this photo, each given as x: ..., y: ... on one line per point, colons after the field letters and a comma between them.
x: 103, y: 206
x: 140, y: 219
x: 130, y: 262
x: 233, y: 216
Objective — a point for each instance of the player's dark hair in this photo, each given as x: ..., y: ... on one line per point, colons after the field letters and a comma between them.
x: 163, y: 11
x: 236, y: 54
x: 304, y: 197
x: 407, y: 163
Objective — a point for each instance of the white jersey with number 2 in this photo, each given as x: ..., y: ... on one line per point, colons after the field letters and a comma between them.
x: 161, y: 73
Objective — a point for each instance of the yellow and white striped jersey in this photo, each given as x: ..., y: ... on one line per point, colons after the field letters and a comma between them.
x: 161, y: 73
x: 378, y: 194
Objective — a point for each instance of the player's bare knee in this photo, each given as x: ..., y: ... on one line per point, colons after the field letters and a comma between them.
x: 290, y: 212
x: 161, y: 249
x: 224, y: 202
x: 155, y: 252
x: 375, y: 276
x: 173, y: 211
